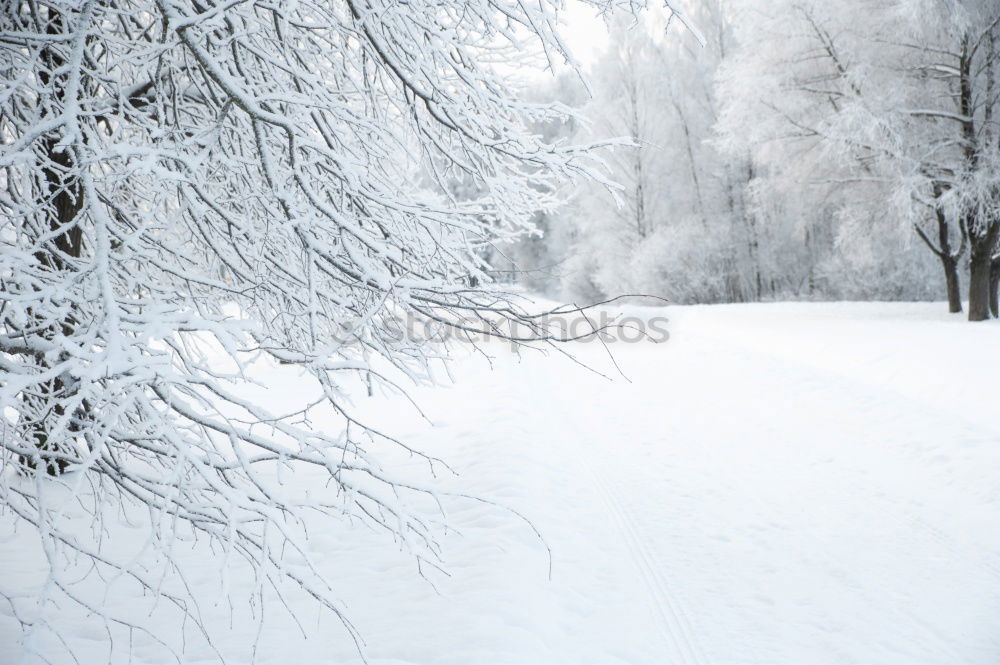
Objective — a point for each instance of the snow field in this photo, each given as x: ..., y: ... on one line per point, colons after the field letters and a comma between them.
x: 807, y: 484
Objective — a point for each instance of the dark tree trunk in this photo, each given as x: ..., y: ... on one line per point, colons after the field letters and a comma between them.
x: 954, y: 285
x: 979, y: 286
x: 61, y: 195
x: 982, y: 232
x: 982, y: 242
x: 995, y: 288
x: 65, y: 197
x: 943, y: 250
x: 981, y: 272
x: 949, y: 259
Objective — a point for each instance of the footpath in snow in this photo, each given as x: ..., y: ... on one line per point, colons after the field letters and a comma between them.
x: 800, y: 484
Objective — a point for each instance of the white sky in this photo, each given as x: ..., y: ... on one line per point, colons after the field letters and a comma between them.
x: 585, y: 32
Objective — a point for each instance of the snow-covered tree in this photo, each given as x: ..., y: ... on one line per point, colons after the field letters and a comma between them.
x: 609, y: 229
x: 884, y: 123
x: 950, y: 55
x: 186, y: 180
x: 681, y: 227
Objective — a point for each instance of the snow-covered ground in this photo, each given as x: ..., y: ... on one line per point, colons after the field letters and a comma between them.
x: 801, y: 484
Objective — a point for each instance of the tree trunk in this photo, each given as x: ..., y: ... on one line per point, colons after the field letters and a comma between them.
x: 982, y: 232
x: 954, y: 285
x: 61, y: 195
x: 982, y: 243
x: 65, y: 199
x: 943, y: 250
x: 994, y: 288
x: 979, y: 285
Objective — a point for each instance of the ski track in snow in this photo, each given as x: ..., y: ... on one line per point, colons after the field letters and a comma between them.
x: 675, y: 627
x: 778, y: 484
x: 673, y: 623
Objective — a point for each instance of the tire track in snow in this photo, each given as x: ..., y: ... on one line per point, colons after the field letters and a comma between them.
x: 674, y: 624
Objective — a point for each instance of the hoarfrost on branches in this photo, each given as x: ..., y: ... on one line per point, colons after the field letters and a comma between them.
x: 262, y: 182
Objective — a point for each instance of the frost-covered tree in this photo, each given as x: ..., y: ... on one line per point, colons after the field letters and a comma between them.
x: 769, y: 161
x: 886, y: 123
x: 609, y: 229
x: 705, y: 190
x: 681, y: 227
x: 952, y: 54
x: 249, y: 178
x: 926, y: 122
